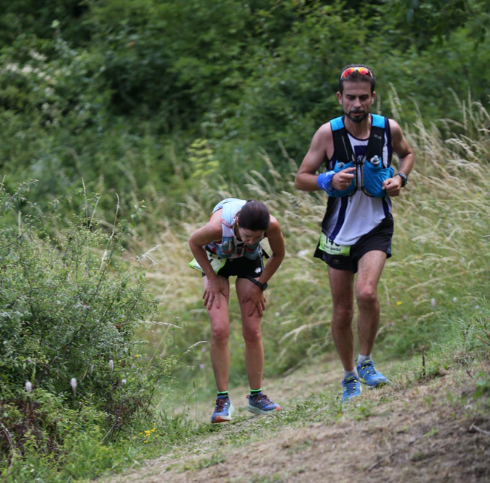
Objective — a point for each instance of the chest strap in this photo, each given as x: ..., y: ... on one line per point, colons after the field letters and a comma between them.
x: 342, y: 147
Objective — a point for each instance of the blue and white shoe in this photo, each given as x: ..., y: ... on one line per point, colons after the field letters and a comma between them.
x: 352, y: 388
x: 223, y: 410
x: 369, y: 375
x: 261, y: 404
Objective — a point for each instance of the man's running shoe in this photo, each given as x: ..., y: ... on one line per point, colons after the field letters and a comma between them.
x: 261, y: 404
x: 352, y: 388
x: 223, y: 410
x: 369, y: 375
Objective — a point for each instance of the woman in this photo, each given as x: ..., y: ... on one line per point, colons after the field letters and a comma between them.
x: 229, y: 245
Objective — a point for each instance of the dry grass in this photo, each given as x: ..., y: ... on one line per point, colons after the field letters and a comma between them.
x: 441, y: 248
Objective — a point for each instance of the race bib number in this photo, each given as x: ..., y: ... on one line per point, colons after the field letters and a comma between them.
x: 216, y: 264
x: 332, y: 248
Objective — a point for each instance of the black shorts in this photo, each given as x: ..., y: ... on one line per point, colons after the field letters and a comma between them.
x: 379, y: 238
x: 241, y: 268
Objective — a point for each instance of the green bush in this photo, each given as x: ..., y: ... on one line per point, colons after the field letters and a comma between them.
x: 69, y: 307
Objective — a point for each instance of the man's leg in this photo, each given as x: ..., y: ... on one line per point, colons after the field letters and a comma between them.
x: 369, y: 271
x: 342, y: 288
x: 220, y: 331
x: 370, y: 268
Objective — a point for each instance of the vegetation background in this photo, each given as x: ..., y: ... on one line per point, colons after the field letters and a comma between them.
x: 135, y: 118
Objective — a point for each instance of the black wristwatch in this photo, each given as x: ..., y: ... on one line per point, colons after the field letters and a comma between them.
x: 404, y: 178
x: 262, y: 286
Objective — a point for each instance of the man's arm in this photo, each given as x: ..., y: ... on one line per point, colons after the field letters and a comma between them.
x: 321, y: 147
x: 405, y: 155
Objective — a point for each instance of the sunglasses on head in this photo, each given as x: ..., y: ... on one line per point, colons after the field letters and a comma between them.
x: 350, y: 70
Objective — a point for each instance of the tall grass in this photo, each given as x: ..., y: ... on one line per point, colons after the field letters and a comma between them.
x: 441, y: 251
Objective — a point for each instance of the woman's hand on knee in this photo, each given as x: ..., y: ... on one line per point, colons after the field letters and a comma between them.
x: 257, y: 298
x: 216, y: 286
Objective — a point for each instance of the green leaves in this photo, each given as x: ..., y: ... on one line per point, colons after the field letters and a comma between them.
x: 69, y: 308
x: 202, y: 159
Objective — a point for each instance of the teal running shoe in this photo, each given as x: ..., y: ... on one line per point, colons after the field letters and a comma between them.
x: 261, y: 404
x: 352, y: 388
x: 223, y: 410
x: 369, y: 375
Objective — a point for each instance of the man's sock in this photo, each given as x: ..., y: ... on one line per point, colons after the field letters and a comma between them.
x: 362, y: 358
x: 222, y: 394
x: 255, y: 392
x: 351, y: 373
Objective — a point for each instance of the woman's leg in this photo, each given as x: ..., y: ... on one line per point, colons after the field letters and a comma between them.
x: 252, y: 335
x: 220, y: 330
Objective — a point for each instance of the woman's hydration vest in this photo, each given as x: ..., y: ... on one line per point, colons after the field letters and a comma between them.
x: 230, y: 246
x: 372, y: 169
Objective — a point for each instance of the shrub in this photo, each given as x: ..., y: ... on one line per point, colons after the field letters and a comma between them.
x: 69, y: 307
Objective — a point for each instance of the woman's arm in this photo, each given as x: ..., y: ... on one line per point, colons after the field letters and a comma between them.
x: 210, y: 232
x: 276, y: 242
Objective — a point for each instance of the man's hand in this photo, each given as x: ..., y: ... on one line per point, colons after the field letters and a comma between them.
x: 257, y: 297
x: 343, y: 179
x: 215, y: 287
x: 392, y: 186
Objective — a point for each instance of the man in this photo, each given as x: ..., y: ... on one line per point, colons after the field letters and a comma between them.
x: 229, y: 245
x: 358, y: 225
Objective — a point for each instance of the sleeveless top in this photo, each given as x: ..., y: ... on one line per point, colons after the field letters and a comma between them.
x: 349, y: 218
x: 230, y: 247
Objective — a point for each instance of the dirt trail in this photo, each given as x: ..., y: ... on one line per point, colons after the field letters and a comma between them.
x: 422, y: 434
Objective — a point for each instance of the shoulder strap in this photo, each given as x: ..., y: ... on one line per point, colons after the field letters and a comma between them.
x: 341, y: 145
x: 377, y: 137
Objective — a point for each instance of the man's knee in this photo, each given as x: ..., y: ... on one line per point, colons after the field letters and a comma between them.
x: 366, y: 295
x: 342, y: 315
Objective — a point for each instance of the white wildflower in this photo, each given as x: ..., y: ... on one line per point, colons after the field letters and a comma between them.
x: 123, y: 381
x: 73, y: 384
x: 28, y: 386
x: 111, y: 365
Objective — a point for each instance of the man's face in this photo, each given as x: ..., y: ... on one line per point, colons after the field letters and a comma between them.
x: 356, y: 100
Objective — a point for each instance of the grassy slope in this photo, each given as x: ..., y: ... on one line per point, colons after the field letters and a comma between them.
x: 431, y: 294
x: 422, y: 429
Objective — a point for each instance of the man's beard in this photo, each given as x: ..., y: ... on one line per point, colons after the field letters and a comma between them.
x: 358, y: 118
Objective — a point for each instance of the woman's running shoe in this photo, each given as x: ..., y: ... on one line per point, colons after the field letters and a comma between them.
x: 261, y: 404
x: 223, y: 410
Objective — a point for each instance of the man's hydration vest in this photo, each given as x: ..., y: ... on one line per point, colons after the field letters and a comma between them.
x: 372, y: 169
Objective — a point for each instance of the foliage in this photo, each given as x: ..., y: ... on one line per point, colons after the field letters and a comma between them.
x: 70, y: 306
x: 117, y: 92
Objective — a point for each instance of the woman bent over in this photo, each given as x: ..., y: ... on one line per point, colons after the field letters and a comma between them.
x: 229, y: 245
